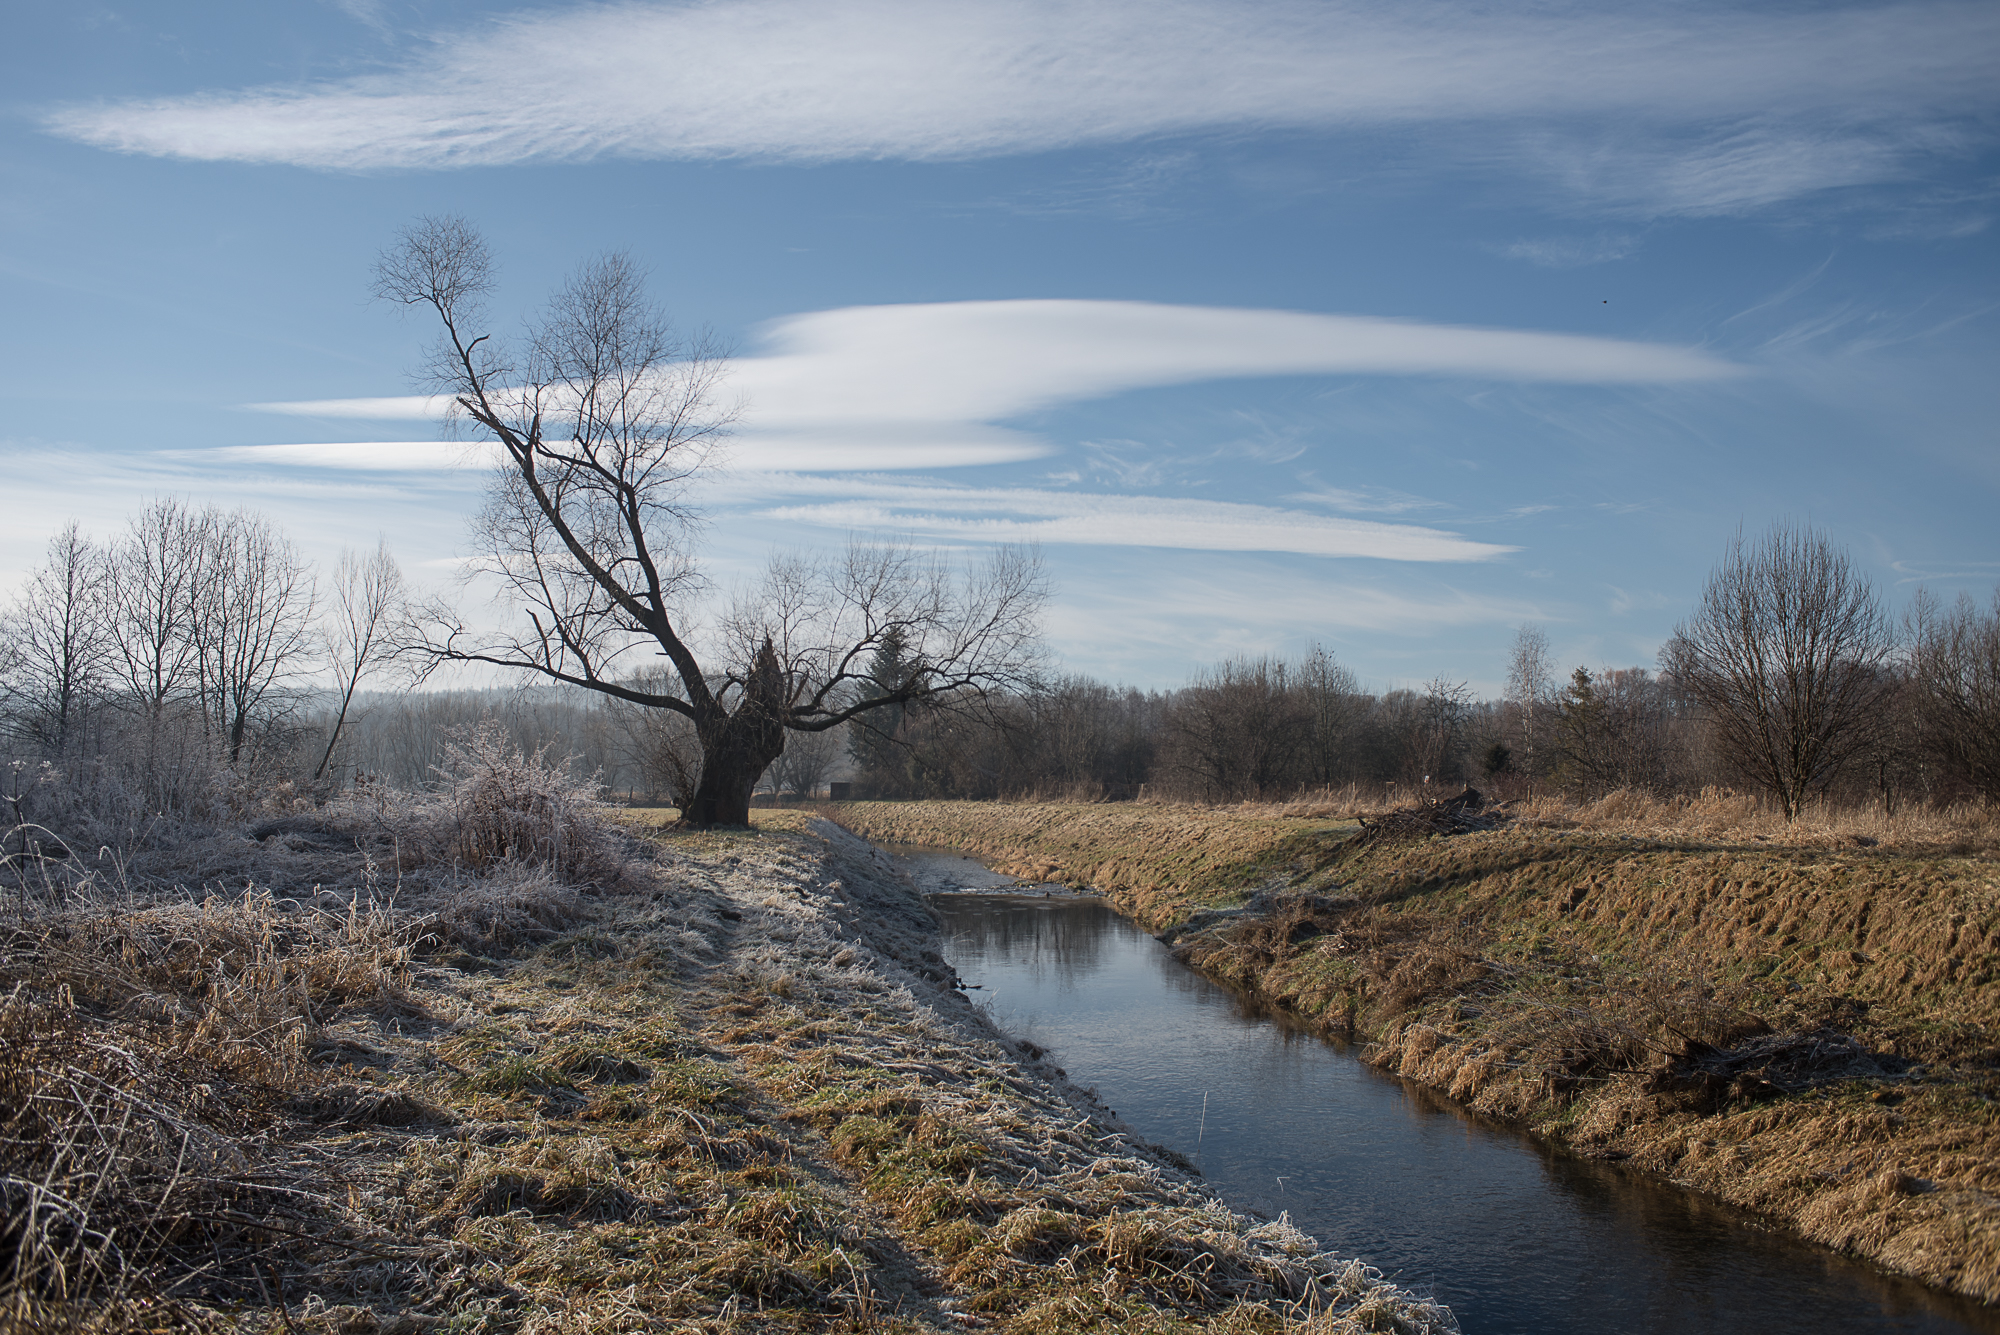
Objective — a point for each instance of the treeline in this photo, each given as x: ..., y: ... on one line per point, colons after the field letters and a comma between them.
x: 196, y: 662
x: 1265, y: 728
x: 1790, y: 678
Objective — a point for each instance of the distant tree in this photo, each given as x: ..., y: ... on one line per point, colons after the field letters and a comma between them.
x: 1437, y: 741
x: 1954, y: 664
x: 1904, y: 758
x: 1529, y: 686
x: 875, y: 741
x: 1609, y: 731
x: 806, y: 762
x: 1332, y: 702
x: 1072, y: 732
x: 157, y: 569
x: 1786, y: 655
x: 367, y: 604
x: 1237, y: 730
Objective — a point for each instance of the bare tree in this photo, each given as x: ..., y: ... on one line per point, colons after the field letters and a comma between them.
x: 1438, y: 740
x: 253, y: 622
x: 1332, y: 701
x: 157, y: 569
x: 1786, y: 655
x: 54, y: 644
x: 1530, y: 683
x: 589, y: 529
x: 368, y: 598
x: 1955, y: 666
x: 1237, y: 730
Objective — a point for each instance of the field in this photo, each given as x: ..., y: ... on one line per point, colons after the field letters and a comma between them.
x: 495, y: 1059
x: 1803, y: 1020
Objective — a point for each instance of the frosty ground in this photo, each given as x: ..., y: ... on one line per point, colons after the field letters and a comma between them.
x: 364, y: 1069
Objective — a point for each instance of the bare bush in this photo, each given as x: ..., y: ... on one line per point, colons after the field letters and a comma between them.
x: 515, y: 906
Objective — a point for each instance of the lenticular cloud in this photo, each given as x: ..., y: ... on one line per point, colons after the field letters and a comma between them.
x: 931, y: 385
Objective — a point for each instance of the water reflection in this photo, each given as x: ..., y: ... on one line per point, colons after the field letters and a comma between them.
x: 1515, y: 1236
x: 1056, y: 946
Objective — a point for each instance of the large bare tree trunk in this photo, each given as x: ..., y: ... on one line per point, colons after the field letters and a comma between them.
x: 737, y: 748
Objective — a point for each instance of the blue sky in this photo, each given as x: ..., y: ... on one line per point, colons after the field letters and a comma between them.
x: 1392, y: 326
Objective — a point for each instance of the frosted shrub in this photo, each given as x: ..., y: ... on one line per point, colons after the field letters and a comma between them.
x: 498, y: 805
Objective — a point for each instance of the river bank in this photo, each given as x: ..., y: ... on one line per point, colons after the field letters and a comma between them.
x: 728, y: 1085
x: 1805, y: 1030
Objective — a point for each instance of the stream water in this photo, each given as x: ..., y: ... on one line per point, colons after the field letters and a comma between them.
x: 1514, y: 1235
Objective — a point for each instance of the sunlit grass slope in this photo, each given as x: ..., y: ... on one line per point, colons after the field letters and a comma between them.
x: 1796, y: 1019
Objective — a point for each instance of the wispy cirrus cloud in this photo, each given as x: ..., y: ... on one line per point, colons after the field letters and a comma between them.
x: 1025, y: 514
x: 1571, y: 252
x: 928, y: 386
x: 1697, y: 108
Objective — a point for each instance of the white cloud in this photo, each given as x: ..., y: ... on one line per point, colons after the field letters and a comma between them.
x: 51, y: 482
x: 1776, y: 99
x: 366, y: 456
x: 1364, y: 500
x: 1151, y: 617
x: 922, y: 386
x: 962, y: 446
x: 401, y: 408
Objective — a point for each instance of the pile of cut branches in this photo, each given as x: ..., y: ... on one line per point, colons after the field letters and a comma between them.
x: 1451, y: 815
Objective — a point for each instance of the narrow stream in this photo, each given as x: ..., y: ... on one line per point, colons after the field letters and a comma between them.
x: 1514, y: 1235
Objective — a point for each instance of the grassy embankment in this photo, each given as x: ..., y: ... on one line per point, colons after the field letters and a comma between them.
x: 1801, y: 1020
x: 480, y: 1062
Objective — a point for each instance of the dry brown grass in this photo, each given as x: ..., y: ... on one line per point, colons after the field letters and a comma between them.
x: 1714, y: 814
x: 146, y: 1056
x: 168, y: 1124
x: 1961, y: 829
